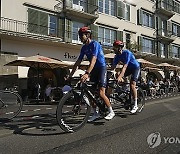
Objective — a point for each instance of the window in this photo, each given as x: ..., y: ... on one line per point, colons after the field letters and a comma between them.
x: 52, y: 25
x: 127, y: 12
x: 162, y: 50
x: 175, y: 53
x: 123, y: 10
x: 147, y: 45
x: 175, y: 29
x: 75, y: 28
x: 107, y: 6
x: 176, y: 6
x: 147, y: 19
x: 106, y: 36
x: 128, y: 40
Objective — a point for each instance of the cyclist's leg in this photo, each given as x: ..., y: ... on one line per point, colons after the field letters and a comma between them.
x: 93, y: 78
x: 103, y: 83
x: 134, y: 79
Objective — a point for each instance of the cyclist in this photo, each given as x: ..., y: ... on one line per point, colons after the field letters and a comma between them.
x: 130, y: 67
x: 97, y: 70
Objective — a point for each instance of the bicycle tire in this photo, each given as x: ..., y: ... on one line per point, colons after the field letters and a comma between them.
x: 65, y: 115
x: 10, y: 105
x: 141, y: 99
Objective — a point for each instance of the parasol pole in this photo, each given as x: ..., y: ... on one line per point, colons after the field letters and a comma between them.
x: 38, y: 94
x: 38, y: 82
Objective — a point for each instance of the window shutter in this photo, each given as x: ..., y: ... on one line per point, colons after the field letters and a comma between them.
x: 92, y: 6
x: 154, y: 47
x: 159, y: 26
x: 94, y: 29
x: 119, y: 35
x: 178, y: 34
x: 169, y: 28
x: 158, y: 49
x: 140, y: 16
x: 159, y: 3
x: 61, y: 28
x: 68, y: 30
x: 32, y: 21
x: 128, y: 12
x: 140, y: 45
x: 120, y: 9
x: 170, y: 53
x: 154, y: 21
x: 43, y: 22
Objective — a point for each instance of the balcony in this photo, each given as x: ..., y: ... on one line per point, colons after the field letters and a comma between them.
x: 164, y: 9
x: 165, y: 36
x: 10, y: 27
x: 84, y: 10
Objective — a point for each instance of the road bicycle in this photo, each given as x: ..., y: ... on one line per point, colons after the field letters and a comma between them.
x: 74, y: 108
x: 10, y: 104
x: 122, y: 95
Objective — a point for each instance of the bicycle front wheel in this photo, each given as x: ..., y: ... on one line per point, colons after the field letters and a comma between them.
x: 10, y: 105
x: 73, y: 112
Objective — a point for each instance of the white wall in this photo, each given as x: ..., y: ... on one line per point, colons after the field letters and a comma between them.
x: 14, y: 9
x: 25, y: 49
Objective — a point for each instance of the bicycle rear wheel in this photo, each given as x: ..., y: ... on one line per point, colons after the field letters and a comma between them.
x: 141, y: 99
x: 73, y: 112
x: 10, y: 104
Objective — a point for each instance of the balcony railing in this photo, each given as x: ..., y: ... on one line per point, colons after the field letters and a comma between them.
x: 83, y: 9
x: 164, y: 5
x: 165, y: 35
x: 164, y: 8
x: 25, y: 29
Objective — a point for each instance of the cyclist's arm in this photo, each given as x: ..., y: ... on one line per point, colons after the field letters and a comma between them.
x: 92, y: 63
x: 125, y: 65
x: 123, y: 70
x: 76, y: 65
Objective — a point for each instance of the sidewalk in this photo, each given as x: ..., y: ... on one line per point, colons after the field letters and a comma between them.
x: 169, y: 95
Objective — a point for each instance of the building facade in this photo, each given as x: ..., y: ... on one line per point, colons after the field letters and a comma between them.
x: 150, y: 28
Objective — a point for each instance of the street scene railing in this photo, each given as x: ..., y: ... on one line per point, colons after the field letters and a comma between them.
x: 20, y: 28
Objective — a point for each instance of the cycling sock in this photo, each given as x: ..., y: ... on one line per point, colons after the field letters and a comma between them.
x: 110, y: 109
x: 135, y: 102
x: 96, y: 110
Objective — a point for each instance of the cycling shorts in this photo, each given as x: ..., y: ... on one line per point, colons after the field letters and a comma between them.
x: 134, y: 73
x: 99, y: 76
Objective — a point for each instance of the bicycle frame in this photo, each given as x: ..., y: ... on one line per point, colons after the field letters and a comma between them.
x: 127, y: 92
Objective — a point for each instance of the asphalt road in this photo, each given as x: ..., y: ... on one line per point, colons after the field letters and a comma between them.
x: 155, y: 130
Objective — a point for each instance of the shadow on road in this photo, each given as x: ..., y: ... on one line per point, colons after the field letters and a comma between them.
x: 43, y: 125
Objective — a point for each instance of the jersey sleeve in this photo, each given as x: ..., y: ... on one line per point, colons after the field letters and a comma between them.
x: 95, y: 49
x: 81, y: 56
x: 128, y: 57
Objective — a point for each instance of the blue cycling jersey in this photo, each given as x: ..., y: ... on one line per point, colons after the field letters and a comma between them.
x: 126, y: 57
x: 93, y: 49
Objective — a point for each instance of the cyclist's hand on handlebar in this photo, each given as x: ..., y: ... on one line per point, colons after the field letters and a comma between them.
x: 84, y: 77
x: 120, y: 79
